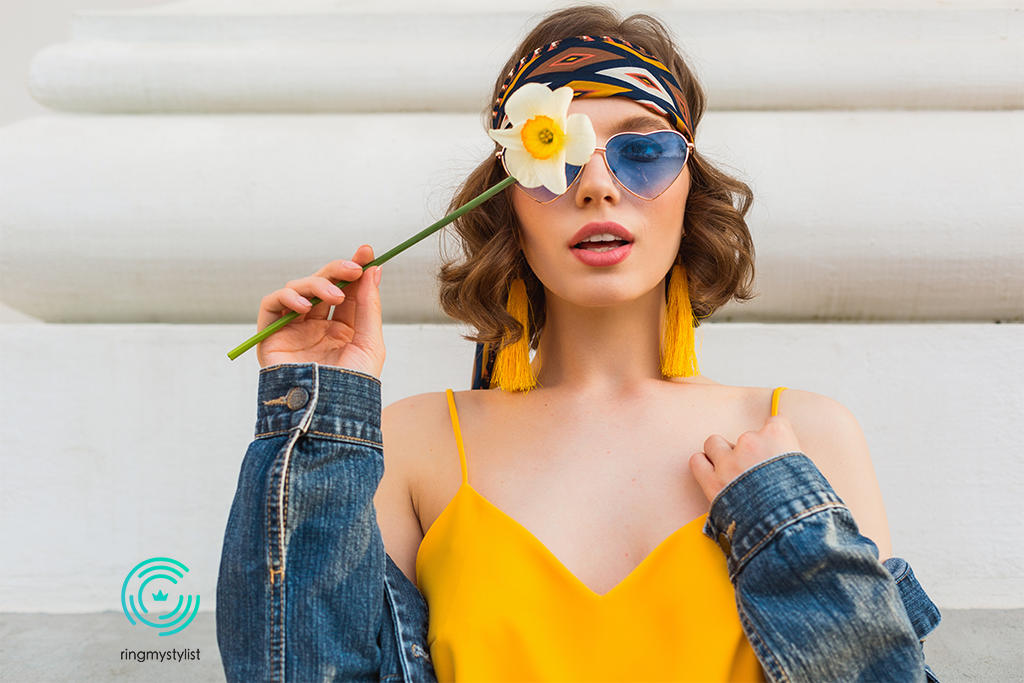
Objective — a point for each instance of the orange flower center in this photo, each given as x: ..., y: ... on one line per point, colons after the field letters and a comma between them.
x: 542, y: 137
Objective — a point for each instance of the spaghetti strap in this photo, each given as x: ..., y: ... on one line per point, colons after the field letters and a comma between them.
x: 775, y: 402
x: 458, y: 435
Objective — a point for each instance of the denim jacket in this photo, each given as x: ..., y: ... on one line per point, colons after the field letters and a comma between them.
x: 306, y: 591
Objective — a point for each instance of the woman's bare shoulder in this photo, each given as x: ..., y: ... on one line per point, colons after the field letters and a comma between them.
x: 413, y: 423
x: 830, y: 435
x: 416, y: 435
x: 823, y: 425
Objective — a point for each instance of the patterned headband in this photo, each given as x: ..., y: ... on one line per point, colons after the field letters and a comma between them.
x: 600, y: 67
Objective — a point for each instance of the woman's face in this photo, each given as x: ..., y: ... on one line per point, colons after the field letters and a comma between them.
x: 647, y: 232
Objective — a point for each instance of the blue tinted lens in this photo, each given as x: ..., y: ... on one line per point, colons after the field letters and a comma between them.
x: 647, y: 164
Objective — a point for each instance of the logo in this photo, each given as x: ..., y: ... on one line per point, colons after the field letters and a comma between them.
x: 158, y: 569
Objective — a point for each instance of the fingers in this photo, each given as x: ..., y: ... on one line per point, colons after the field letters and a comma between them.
x: 704, y: 472
x: 368, y: 324
x: 721, y: 462
x: 296, y: 295
x: 346, y: 312
x: 349, y: 271
x: 716, y: 448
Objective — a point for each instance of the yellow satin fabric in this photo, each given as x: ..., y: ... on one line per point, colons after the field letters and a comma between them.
x: 504, y: 608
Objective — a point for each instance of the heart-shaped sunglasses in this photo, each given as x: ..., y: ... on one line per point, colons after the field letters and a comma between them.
x: 646, y: 164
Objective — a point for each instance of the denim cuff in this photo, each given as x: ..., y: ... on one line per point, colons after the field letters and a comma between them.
x: 923, y: 613
x: 319, y: 400
x: 761, y: 502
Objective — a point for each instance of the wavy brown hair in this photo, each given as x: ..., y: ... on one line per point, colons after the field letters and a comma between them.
x: 716, y: 251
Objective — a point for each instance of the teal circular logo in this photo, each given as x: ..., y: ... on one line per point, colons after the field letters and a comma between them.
x: 150, y: 575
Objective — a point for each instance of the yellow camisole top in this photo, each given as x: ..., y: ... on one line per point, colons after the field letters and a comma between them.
x: 504, y: 608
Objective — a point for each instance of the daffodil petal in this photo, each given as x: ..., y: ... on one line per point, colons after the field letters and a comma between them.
x: 509, y: 138
x: 551, y: 173
x: 580, y: 139
x: 559, y: 105
x: 528, y: 101
x: 522, y: 166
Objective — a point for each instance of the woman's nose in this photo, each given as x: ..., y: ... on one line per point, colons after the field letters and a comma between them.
x: 595, y: 183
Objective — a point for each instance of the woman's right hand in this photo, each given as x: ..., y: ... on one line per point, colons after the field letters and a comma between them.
x: 351, y: 338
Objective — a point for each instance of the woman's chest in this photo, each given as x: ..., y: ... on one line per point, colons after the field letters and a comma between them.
x: 599, y: 490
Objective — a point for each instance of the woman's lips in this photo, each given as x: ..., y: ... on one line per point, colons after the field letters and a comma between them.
x: 603, y: 258
x: 601, y: 244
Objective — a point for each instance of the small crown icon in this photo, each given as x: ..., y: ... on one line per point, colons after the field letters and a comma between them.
x: 160, y: 597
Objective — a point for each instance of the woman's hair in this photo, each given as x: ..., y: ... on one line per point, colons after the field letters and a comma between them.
x: 716, y: 251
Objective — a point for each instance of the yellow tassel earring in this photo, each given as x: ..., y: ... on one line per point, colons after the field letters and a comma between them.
x: 679, y: 359
x: 512, y: 371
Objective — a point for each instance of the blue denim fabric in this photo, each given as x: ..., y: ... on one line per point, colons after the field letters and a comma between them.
x: 814, y: 601
x: 307, y: 593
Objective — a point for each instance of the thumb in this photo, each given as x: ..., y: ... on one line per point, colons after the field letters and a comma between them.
x: 368, y: 333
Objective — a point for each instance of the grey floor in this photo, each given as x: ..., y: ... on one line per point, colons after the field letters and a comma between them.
x: 970, y: 645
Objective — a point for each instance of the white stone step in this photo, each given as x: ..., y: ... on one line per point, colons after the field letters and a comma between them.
x: 311, y: 56
x: 859, y: 216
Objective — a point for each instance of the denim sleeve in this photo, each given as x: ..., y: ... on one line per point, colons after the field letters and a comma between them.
x: 815, y: 602
x: 300, y: 595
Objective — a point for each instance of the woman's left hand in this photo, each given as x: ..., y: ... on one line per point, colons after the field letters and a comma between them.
x: 721, y: 461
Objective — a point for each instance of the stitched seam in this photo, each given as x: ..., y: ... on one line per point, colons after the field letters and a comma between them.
x: 389, y: 594
x: 275, y: 515
x: 777, y: 672
x: 342, y: 437
x: 353, y: 439
x: 282, y: 496
x: 279, y: 432
x: 345, y: 371
x: 741, y: 562
x: 904, y: 575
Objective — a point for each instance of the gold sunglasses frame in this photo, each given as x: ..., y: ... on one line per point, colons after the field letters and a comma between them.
x: 500, y: 154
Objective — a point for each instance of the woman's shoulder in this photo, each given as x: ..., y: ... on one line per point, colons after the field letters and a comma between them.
x: 832, y: 438
x: 814, y: 411
x: 827, y: 431
x: 820, y: 421
x: 415, y: 419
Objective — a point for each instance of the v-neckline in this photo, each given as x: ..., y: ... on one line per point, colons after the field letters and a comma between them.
x: 555, y: 561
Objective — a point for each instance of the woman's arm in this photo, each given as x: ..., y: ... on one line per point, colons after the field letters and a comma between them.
x: 306, y: 591
x: 815, y: 602
x: 830, y: 436
x: 300, y: 595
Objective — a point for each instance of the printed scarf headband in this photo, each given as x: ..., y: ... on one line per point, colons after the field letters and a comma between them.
x: 600, y: 67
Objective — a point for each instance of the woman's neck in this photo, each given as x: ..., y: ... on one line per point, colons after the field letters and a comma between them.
x: 608, y: 349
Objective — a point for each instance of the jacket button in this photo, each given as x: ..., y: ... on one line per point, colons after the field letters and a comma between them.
x: 297, y: 398
x: 724, y: 543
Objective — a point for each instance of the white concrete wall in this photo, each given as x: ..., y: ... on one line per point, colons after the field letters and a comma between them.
x: 26, y: 27
x: 123, y: 442
x: 884, y: 141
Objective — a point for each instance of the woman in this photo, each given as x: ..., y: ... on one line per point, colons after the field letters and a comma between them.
x: 555, y: 532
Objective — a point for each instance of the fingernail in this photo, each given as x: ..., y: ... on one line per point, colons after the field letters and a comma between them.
x: 376, y: 276
x: 304, y: 300
x: 336, y: 290
x: 351, y: 264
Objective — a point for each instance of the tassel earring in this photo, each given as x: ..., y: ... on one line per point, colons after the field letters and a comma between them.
x: 679, y: 359
x: 512, y: 371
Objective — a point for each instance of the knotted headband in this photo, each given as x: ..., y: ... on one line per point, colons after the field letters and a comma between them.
x: 600, y: 67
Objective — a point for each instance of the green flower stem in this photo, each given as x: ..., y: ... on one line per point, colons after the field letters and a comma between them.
x: 426, y: 232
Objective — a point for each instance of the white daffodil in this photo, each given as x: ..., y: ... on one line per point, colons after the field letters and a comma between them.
x: 540, y: 142
x: 542, y: 139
